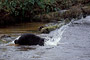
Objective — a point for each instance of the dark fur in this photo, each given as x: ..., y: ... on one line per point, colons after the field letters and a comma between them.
x: 29, y: 39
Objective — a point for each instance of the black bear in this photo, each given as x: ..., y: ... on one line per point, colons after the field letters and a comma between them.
x: 29, y: 39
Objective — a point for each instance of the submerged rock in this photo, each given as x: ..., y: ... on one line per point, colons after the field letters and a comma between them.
x: 51, y: 27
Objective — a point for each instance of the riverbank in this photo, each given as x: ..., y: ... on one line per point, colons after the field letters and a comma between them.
x: 57, y: 11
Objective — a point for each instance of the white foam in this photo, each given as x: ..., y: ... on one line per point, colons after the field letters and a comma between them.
x: 17, y: 37
x: 56, y: 36
x: 12, y: 42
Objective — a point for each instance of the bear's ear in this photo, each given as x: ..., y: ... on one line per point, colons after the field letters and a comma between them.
x: 16, y: 41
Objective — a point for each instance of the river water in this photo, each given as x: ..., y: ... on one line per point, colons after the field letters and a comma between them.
x: 18, y: 29
x: 70, y: 42
x: 31, y: 27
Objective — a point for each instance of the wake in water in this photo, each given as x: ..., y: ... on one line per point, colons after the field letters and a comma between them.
x: 54, y: 37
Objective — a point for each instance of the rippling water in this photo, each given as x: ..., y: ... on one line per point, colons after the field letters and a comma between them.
x: 55, y: 36
x: 66, y: 43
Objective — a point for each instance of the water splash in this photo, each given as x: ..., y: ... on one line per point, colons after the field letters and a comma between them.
x: 55, y: 36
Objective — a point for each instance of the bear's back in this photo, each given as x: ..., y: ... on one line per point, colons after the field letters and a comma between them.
x: 29, y: 39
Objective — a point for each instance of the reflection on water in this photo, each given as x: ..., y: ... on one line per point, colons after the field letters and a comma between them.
x: 25, y: 48
x: 22, y: 28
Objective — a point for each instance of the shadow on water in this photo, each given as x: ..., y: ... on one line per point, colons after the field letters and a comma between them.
x: 25, y: 48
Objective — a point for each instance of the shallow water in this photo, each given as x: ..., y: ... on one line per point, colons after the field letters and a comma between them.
x: 22, y: 28
x: 70, y: 42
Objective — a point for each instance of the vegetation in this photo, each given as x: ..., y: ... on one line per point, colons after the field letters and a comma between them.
x: 65, y: 4
x: 24, y: 10
x: 28, y: 7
